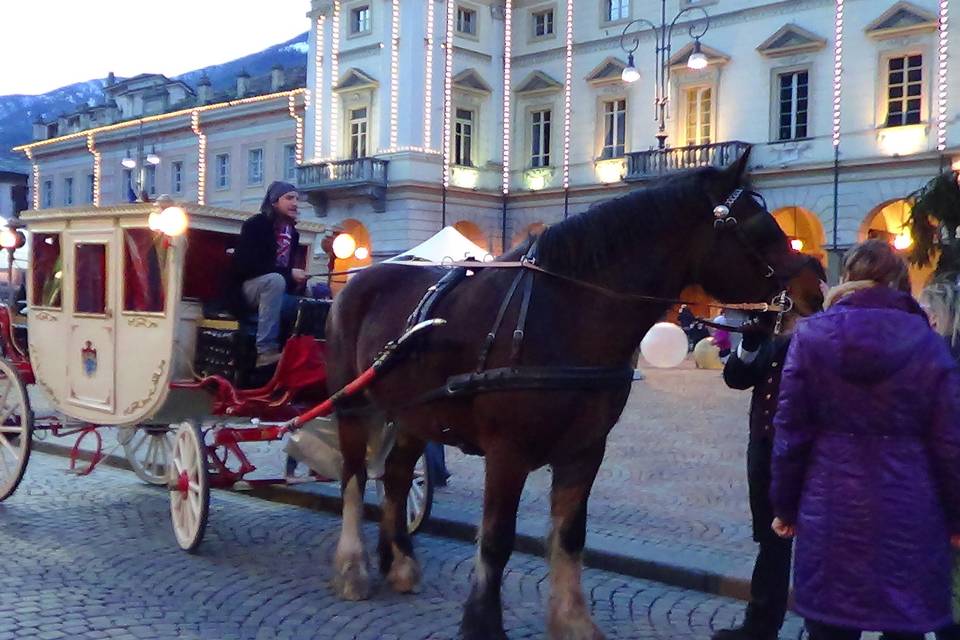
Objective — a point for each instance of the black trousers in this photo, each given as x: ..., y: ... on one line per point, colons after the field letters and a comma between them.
x: 819, y: 631
x: 770, y: 583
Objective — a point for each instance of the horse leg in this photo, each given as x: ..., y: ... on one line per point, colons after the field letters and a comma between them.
x: 483, y: 612
x: 569, y: 617
x: 351, y: 579
x: 397, y: 560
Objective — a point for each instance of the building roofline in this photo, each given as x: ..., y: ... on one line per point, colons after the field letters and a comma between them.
x: 161, y: 116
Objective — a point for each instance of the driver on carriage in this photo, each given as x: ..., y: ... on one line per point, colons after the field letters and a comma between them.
x: 263, y: 273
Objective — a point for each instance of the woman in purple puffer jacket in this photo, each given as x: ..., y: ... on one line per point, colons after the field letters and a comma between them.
x: 866, y: 460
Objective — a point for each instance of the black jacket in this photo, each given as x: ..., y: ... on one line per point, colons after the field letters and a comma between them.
x: 763, y: 374
x: 256, y: 252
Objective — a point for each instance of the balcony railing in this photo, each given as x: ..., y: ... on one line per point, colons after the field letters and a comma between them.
x: 357, y: 177
x: 340, y: 174
x: 642, y: 165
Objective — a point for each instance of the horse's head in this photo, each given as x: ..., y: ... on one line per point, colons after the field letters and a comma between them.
x: 739, y: 252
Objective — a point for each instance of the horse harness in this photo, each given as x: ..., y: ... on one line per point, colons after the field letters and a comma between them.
x: 519, y: 378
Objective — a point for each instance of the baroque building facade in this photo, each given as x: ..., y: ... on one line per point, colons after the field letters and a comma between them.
x: 502, y: 116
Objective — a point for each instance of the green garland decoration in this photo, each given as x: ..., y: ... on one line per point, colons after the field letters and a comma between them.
x: 935, y: 221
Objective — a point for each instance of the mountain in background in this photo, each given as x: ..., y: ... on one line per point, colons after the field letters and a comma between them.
x: 17, y: 112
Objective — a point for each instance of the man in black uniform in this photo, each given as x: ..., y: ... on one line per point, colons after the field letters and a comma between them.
x: 758, y: 363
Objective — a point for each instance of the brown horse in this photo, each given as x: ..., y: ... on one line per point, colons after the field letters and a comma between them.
x: 653, y: 242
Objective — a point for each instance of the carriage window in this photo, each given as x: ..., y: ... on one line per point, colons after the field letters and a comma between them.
x: 91, y: 284
x: 144, y: 276
x: 47, y: 269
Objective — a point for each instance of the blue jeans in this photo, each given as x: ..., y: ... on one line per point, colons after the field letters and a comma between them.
x: 267, y: 295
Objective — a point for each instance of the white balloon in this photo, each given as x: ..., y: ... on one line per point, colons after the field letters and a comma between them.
x: 665, y: 345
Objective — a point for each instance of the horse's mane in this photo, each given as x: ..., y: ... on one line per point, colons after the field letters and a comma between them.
x: 584, y: 242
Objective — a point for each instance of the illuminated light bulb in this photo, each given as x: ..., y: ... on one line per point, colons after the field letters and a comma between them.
x: 362, y: 253
x: 153, y: 221
x: 696, y: 61
x: 8, y: 238
x: 173, y: 221
x: 58, y: 275
x: 344, y: 246
x: 630, y: 74
x: 129, y: 163
x: 902, y: 241
x: 796, y: 244
x: 153, y: 159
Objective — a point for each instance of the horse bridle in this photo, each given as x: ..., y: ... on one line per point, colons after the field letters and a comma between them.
x: 723, y: 220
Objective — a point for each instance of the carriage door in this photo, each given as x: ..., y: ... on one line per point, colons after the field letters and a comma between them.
x: 91, y: 339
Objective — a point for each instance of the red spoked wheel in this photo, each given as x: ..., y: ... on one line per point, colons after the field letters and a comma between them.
x: 189, y: 485
x: 16, y: 429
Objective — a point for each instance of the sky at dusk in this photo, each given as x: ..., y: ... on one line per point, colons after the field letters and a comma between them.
x: 47, y: 44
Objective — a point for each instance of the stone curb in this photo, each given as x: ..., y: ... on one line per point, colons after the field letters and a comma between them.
x: 677, y: 567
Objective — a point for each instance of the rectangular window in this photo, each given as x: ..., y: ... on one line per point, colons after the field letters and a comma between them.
x: 47, y: 193
x: 223, y: 170
x: 46, y: 269
x: 255, y: 166
x: 67, y: 192
x: 150, y: 179
x: 91, y: 278
x: 540, y: 138
x: 358, y: 133
x: 904, y: 89
x: 699, y: 116
x: 466, y: 21
x: 616, y: 10
x: 463, y: 138
x: 290, y: 162
x: 90, y: 185
x: 176, y: 176
x: 614, y: 128
x: 360, y: 19
x: 543, y: 23
x: 143, y: 281
x: 792, y: 105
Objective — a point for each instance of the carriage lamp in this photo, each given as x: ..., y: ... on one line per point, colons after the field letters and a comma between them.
x: 796, y: 244
x: 172, y: 221
x: 344, y: 246
x: 11, y: 239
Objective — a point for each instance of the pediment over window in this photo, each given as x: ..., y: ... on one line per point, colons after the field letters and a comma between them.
x: 790, y: 39
x: 538, y: 83
x: 900, y: 19
x: 609, y: 70
x: 714, y: 57
x: 355, y: 79
x: 470, y: 80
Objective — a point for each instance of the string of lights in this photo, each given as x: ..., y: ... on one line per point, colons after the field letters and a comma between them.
x: 428, y: 79
x: 292, y: 107
x: 320, y: 42
x: 35, y: 175
x: 395, y: 75
x: 447, y: 91
x: 507, y: 60
x: 201, y: 158
x: 942, y: 58
x: 92, y: 148
x: 334, y: 77
x: 837, y: 70
x: 567, y: 94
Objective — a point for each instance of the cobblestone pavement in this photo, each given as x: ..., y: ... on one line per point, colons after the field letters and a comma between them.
x: 95, y: 557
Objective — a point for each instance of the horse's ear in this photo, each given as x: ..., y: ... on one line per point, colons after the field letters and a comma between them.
x: 735, y: 172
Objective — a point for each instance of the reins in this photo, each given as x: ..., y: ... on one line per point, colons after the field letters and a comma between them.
x: 760, y: 307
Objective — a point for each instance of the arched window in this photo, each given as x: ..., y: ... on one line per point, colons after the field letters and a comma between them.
x: 804, y: 230
x: 888, y: 222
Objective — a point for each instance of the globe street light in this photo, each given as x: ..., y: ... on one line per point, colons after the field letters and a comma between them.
x: 141, y: 160
x: 662, y: 40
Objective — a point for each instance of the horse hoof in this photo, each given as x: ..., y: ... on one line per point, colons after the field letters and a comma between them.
x: 404, y: 575
x: 352, y: 582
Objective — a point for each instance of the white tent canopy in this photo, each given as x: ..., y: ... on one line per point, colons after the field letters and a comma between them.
x: 447, y: 244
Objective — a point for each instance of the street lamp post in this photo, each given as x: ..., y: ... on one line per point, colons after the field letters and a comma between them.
x: 662, y: 39
x: 140, y: 163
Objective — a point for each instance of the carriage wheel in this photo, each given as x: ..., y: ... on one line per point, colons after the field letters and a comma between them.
x: 16, y: 429
x: 148, y: 449
x: 420, y: 498
x: 189, y: 486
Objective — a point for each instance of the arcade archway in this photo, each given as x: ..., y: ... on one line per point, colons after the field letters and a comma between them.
x: 472, y: 232
x: 532, y: 229
x: 362, y: 255
x: 804, y: 230
x: 888, y: 222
